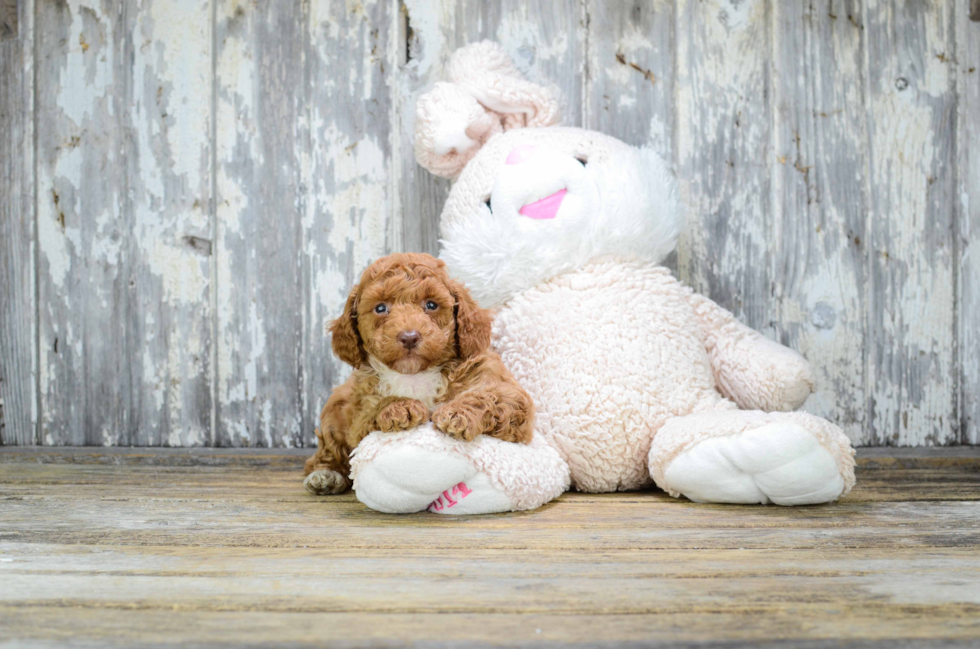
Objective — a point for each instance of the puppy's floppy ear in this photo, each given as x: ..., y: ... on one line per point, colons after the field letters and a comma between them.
x: 346, y: 340
x: 472, y: 323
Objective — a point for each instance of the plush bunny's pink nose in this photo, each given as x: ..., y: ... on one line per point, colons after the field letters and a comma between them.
x: 520, y: 154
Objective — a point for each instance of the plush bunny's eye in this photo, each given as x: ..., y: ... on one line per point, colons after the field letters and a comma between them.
x: 582, y: 160
x: 486, y: 202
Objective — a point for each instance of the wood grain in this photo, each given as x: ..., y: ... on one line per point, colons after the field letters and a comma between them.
x: 968, y: 218
x: 262, y: 145
x: 819, y: 202
x: 10, y: 20
x: 143, y: 554
x: 817, y: 626
x: 348, y: 219
x: 18, y: 306
x: 724, y: 153
x: 911, y: 116
x: 123, y: 169
x: 629, y: 83
x: 419, y: 49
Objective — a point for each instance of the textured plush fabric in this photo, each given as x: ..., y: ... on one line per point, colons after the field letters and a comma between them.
x: 796, y: 475
x: 529, y: 475
x: 484, y: 96
x: 631, y: 372
x: 608, y: 352
x: 755, y: 372
x: 622, y: 202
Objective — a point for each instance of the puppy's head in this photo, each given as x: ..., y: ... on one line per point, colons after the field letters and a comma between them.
x: 407, y: 313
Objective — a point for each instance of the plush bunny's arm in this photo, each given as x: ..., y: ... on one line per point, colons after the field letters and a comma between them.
x: 751, y: 370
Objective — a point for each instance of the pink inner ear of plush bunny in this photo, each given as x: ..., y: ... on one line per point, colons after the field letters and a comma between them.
x: 486, y: 95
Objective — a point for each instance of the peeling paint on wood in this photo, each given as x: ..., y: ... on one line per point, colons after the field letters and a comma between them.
x: 419, y: 48
x: 724, y: 154
x: 18, y: 327
x: 819, y: 202
x: 630, y: 80
x: 967, y: 208
x: 348, y: 220
x: 123, y: 168
x: 262, y: 135
x: 911, y: 117
x: 828, y: 153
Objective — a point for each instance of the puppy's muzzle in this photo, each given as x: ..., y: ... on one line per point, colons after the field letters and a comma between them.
x: 409, y: 339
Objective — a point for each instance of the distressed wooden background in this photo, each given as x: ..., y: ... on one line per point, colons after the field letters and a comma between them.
x: 188, y: 187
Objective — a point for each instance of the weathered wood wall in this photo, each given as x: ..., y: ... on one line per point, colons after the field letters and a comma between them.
x: 188, y: 187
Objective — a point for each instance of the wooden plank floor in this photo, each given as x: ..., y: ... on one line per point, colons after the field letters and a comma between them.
x: 211, y: 548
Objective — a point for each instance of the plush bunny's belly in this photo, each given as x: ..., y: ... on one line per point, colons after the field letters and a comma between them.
x: 608, y: 353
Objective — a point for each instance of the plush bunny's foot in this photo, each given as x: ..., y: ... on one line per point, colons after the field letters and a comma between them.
x: 425, y: 469
x: 407, y: 478
x: 751, y: 457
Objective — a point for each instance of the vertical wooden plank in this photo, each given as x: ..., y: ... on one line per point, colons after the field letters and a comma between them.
x: 123, y: 222
x: 348, y: 209
x: 422, y: 40
x: 18, y: 326
x: 968, y: 212
x: 912, y: 111
x: 630, y: 72
x: 818, y: 242
x: 261, y: 137
x: 723, y: 152
x: 9, y: 19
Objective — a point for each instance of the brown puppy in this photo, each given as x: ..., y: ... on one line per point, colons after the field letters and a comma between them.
x: 420, y: 348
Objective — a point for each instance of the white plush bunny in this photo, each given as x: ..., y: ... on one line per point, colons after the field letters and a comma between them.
x: 636, y: 379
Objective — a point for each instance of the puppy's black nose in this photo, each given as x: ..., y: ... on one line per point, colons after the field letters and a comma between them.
x: 409, y: 339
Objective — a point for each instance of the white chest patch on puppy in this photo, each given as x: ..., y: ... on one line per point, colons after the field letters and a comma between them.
x: 425, y: 386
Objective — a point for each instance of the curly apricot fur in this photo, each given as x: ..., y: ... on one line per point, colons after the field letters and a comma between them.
x: 482, y: 398
x: 403, y: 414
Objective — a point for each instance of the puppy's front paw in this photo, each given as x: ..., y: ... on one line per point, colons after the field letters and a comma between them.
x: 324, y: 482
x: 402, y: 415
x: 459, y: 421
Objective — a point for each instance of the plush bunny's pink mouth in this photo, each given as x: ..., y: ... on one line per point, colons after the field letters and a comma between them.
x: 546, y: 208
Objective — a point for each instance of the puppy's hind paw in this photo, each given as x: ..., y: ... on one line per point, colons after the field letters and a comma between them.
x: 325, y: 482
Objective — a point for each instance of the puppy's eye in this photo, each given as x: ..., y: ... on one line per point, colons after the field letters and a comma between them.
x: 487, y: 203
x: 582, y: 160
x: 381, y: 309
x: 430, y: 305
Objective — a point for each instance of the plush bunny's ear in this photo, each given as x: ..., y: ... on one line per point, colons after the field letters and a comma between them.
x: 487, y: 73
x: 487, y: 96
x: 450, y: 127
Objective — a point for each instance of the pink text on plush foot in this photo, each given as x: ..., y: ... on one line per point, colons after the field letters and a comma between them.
x: 446, y: 499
